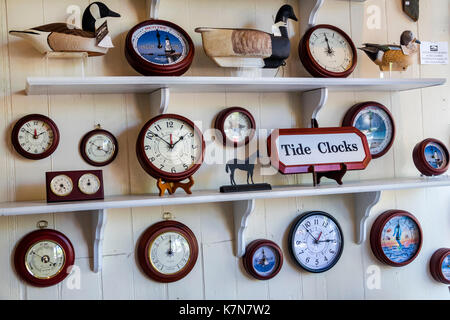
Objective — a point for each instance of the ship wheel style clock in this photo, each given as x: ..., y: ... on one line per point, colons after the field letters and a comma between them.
x: 431, y: 157
x: 327, y: 52
x: 43, y: 257
x: 440, y: 265
x: 170, y: 148
x: 35, y: 136
x: 396, y: 238
x: 167, y: 251
x: 99, y: 147
x: 159, y: 48
x: 263, y: 259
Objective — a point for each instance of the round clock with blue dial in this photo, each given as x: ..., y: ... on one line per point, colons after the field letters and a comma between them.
x: 440, y: 265
x: 431, y: 157
x: 263, y: 259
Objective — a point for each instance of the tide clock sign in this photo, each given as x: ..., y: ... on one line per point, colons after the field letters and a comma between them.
x: 324, y: 152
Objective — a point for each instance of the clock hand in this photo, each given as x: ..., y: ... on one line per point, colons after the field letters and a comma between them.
x: 318, y: 238
x: 328, y: 45
x: 181, y: 138
x: 328, y: 240
x: 156, y: 135
x: 315, y: 240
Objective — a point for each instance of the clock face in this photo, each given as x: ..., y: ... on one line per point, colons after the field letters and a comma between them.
x: 169, y: 253
x: 264, y: 261
x: 237, y: 125
x: 431, y: 157
x: 316, y: 241
x: 45, y: 259
x: 99, y: 147
x: 89, y: 183
x: 435, y: 155
x: 61, y: 185
x: 445, y: 267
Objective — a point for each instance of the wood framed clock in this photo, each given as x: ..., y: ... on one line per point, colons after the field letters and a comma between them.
x: 431, y: 157
x: 99, y: 147
x: 159, y: 48
x: 396, y: 238
x: 316, y: 241
x: 43, y: 257
x: 376, y: 122
x: 236, y: 125
x: 440, y: 265
x: 167, y: 251
x: 35, y: 136
x: 327, y: 52
x: 263, y: 259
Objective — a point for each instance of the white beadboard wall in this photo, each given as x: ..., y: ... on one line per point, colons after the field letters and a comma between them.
x: 218, y: 274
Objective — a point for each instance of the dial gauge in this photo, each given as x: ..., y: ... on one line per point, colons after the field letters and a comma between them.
x: 376, y: 122
x: 89, y: 183
x: 263, y: 259
x: 327, y: 51
x: 99, y: 147
x: 45, y: 259
x: 236, y: 125
x: 167, y: 251
x: 61, y: 185
x: 35, y: 136
x: 396, y: 238
x: 316, y: 241
x: 431, y: 157
x: 440, y: 265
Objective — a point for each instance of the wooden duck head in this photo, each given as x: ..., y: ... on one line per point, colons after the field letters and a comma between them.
x: 95, y: 11
x: 409, y: 43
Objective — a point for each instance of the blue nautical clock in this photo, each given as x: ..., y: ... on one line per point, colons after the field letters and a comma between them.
x: 263, y: 259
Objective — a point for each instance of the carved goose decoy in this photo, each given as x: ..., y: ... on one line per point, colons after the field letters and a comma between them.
x: 391, y: 56
x: 247, y: 47
x: 63, y: 37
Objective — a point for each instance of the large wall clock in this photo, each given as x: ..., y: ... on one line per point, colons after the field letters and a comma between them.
x: 35, y: 136
x: 328, y: 52
x: 440, y: 265
x: 316, y: 241
x: 167, y: 251
x: 396, y: 238
x: 236, y: 125
x: 42, y: 257
x: 159, y: 48
x: 99, y: 147
x: 431, y: 157
x: 263, y: 259
x: 376, y: 122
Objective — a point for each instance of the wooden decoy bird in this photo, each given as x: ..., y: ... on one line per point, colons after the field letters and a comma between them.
x: 248, y: 47
x: 391, y: 56
x: 62, y: 37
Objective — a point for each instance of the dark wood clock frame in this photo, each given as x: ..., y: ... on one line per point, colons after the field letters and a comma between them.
x: 312, y: 66
x: 150, y: 235
x: 436, y: 265
x: 421, y: 162
x: 218, y: 124
x: 37, y: 236
x: 148, y: 68
x: 84, y: 141
x: 247, y: 260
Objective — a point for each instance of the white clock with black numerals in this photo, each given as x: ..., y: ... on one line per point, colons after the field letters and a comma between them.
x: 316, y: 241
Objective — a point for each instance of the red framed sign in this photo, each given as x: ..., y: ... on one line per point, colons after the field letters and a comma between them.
x: 318, y: 149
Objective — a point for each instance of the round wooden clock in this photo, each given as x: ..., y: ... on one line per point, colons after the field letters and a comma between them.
x: 167, y: 251
x: 99, y: 147
x: 35, y: 136
x: 327, y: 52
x: 440, y: 265
x: 42, y: 257
x: 376, y: 122
x: 236, y: 125
x: 263, y: 259
x: 431, y: 157
x: 396, y: 238
x: 159, y: 48
x: 316, y: 241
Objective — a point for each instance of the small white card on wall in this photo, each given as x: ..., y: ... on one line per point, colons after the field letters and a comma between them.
x: 433, y: 52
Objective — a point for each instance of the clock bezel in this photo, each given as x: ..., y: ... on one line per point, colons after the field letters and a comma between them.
x: 436, y: 265
x: 421, y: 162
x: 84, y: 142
x: 220, y: 121
x: 250, y: 252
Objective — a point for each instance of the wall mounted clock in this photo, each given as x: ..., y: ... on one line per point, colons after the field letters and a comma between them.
x: 236, y: 125
x: 35, y: 136
x: 328, y: 52
x: 263, y: 259
x: 170, y: 148
x: 42, y: 257
x: 159, y: 48
x: 396, y: 238
x: 376, y: 122
x: 167, y: 251
x: 431, y: 157
x: 316, y: 241
x: 99, y: 147
x: 440, y: 265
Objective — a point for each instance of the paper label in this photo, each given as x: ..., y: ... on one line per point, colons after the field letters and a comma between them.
x: 433, y: 52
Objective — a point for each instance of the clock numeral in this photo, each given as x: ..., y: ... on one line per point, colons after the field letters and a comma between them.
x: 308, y: 224
x: 148, y: 147
x: 158, y: 127
x: 307, y: 260
x: 149, y: 135
x: 169, y: 124
x: 173, y: 170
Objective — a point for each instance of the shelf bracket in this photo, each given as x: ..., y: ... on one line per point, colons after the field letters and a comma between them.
x: 314, y: 11
x: 241, y: 211
x: 99, y: 218
x: 153, y: 8
x: 364, y: 202
x: 160, y: 98
x: 312, y: 103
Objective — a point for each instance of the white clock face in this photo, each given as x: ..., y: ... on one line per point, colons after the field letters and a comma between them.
x: 330, y: 50
x: 61, y: 185
x: 317, y: 242
x: 89, y: 183
x: 45, y: 259
x: 172, y: 145
x: 237, y: 127
x: 169, y: 253
x: 35, y: 137
x: 100, y: 148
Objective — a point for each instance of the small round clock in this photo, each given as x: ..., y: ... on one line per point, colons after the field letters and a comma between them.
x: 396, y: 238
x: 42, y: 257
x: 328, y: 52
x: 167, y: 251
x: 35, y: 136
x: 316, y: 241
x: 61, y: 185
x: 99, y: 147
x: 159, y: 48
x: 431, y: 157
x: 376, y: 122
x: 440, y: 265
x: 89, y: 184
x: 263, y: 259
x: 170, y: 147
x: 236, y: 125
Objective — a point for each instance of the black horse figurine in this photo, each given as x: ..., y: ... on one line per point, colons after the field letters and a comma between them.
x: 248, y: 165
